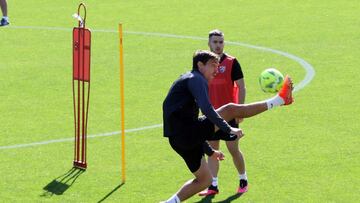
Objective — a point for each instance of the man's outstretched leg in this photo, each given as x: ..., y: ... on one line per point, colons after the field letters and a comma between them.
x: 231, y: 111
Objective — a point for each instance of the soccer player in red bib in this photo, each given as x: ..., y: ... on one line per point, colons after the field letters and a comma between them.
x: 227, y: 87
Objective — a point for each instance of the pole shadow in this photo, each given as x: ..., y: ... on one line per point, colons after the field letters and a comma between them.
x: 60, y: 184
x: 110, y: 193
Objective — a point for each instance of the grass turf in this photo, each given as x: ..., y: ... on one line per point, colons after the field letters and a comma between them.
x: 306, y: 152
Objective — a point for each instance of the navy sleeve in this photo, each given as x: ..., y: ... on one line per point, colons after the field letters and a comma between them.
x: 236, y: 71
x: 207, y: 149
x: 199, y: 89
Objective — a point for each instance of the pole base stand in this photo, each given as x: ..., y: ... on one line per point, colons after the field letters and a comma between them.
x: 80, y: 165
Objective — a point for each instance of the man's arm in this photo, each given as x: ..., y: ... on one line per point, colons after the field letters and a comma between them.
x: 214, y: 154
x: 208, y: 150
x: 199, y: 89
x: 241, y: 95
x: 242, y: 90
x: 238, y: 77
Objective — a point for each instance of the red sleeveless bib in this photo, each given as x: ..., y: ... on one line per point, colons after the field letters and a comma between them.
x: 222, y: 89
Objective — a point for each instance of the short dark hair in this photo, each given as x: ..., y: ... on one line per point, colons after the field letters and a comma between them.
x: 203, y: 56
x: 216, y: 32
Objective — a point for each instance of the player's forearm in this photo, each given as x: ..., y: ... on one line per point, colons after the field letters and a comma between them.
x: 242, y: 94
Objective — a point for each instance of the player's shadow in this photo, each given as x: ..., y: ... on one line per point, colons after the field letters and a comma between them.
x: 208, y: 199
x: 110, y: 193
x: 60, y: 184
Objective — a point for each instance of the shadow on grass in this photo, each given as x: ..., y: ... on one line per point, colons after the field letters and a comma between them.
x: 60, y: 184
x: 208, y: 199
x: 110, y: 193
x: 230, y: 198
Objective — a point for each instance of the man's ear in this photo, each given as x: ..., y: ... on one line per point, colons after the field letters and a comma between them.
x: 200, y: 64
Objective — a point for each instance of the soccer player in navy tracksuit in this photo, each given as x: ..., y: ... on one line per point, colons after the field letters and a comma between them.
x: 187, y: 132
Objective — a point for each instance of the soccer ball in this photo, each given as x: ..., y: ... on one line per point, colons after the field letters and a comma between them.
x: 271, y: 80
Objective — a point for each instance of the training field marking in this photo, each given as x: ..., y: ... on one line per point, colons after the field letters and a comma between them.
x: 310, y: 73
x: 72, y: 139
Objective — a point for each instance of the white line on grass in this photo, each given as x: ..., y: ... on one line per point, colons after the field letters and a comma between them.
x: 72, y: 139
x: 310, y: 73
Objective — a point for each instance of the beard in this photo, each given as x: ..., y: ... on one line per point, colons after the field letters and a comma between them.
x: 218, y: 51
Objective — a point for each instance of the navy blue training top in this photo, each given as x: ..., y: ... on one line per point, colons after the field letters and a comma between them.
x: 186, y: 95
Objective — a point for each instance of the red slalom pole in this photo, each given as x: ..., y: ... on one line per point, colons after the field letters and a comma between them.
x: 81, y: 74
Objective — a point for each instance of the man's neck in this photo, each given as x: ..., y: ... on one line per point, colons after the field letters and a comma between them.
x: 200, y: 73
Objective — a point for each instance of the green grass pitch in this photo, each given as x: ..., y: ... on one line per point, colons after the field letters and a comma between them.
x: 307, y: 152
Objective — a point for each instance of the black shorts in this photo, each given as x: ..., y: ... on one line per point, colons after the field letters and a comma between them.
x: 189, y: 144
x: 221, y: 135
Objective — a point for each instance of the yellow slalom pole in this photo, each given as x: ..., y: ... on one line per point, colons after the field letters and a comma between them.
x: 122, y: 102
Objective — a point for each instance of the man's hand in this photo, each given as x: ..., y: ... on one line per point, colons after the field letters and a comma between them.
x: 237, y: 131
x: 218, y: 155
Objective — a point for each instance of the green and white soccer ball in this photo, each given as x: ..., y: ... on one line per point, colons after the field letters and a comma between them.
x: 271, y: 80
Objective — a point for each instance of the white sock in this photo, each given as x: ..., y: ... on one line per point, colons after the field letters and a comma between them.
x: 173, y: 199
x: 274, y: 102
x: 6, y: 18
x: 214, y: 181
x: 243, y: 176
